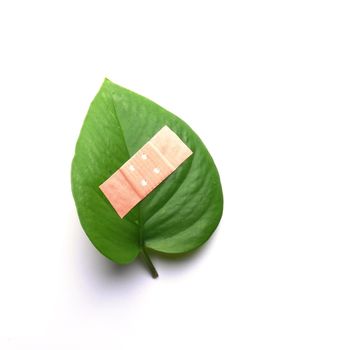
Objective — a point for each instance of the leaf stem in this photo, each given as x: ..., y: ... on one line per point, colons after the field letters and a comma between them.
x: 149, y: 263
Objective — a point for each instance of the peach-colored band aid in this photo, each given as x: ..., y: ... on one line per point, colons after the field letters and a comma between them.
x: 145, y: 170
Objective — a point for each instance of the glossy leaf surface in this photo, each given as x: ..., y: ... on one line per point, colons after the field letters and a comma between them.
x: 176, y: 217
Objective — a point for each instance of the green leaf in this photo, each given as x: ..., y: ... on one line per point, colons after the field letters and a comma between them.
x: 176, y: 217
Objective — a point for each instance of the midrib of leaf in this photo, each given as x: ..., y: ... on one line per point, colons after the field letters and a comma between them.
x: 147, y: 259
x: 122, y: 133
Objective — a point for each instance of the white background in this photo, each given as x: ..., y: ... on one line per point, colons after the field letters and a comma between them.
x: 266, y: 85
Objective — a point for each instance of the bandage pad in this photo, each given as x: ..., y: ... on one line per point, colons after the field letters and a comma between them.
x: 145, y: 170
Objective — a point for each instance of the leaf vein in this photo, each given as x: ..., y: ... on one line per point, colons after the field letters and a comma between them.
x: 173, y: 194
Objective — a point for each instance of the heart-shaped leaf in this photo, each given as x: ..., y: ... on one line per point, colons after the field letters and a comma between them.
x: 177, y: 216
